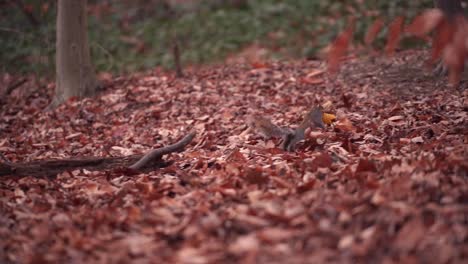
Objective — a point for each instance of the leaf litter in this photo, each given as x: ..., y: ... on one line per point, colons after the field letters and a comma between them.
x: 387, y: 182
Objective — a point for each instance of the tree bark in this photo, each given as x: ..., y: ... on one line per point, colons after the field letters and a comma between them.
x: 75, y: 73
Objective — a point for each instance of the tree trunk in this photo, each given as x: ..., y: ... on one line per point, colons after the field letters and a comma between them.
x: 75, y: 73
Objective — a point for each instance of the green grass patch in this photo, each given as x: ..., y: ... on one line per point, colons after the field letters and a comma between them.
x: 127, y: 38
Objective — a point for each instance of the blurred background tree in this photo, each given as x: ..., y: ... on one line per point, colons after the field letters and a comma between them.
x: 132, y: 35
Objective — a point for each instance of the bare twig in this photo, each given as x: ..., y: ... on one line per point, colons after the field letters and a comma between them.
x: 108, y: 53
x: 15, y: 85
x: 12, y: 30
x: 156, y: 154
x: 176, y: 53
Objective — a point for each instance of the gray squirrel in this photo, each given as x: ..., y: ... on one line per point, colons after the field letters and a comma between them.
x: 290, y: 137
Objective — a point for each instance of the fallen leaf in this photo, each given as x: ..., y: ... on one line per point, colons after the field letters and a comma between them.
x: 328, y: 118
x: 417, y: 140
x: 365, y: 165
x: 243, y: 244
x: 410, y: 235
x: 345, y: 125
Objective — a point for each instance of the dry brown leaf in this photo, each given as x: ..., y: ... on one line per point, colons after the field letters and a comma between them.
x: 315, y: 73
x: 410, y: 235
x: 313, y: 77
x: 273, y: 234
x: 328, y: 118
x: 365, y: 165
x: 312, y: 80
x: 324, y: 160
x: 243, y: 244
x: 344, y: 124
x: 259, y: 65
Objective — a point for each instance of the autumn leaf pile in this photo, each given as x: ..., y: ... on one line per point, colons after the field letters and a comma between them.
x: 386, y: 183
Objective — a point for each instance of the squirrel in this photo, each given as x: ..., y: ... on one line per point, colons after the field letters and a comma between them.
x: 290, y: 137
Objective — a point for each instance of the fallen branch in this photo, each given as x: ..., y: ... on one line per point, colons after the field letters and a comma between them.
x: 50, y: 168
x: 156, y: 154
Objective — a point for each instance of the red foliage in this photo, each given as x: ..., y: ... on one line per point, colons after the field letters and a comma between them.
x: 449, y: 40
x: 373, y: 30
x: 456, y: 52
x: 339, y: 48
x: 394, y: 33
x: 443, y: 35
x: 386, y: 183
x: 426, y: 22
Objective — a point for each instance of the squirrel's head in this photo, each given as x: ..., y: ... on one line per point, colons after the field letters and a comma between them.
x: 315, y: 117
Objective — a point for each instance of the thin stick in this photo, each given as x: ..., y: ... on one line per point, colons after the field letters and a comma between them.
x: 176, y: 53
x: 15, y: 85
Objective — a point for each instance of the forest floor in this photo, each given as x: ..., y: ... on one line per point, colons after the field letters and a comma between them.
x: 386, y: 183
